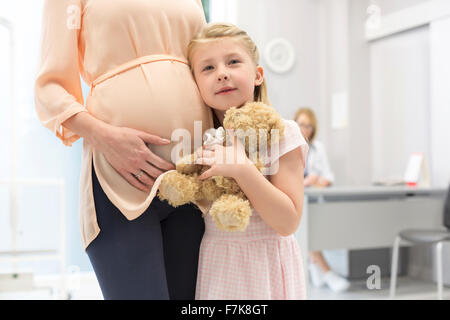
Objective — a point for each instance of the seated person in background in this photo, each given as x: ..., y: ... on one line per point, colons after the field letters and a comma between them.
x: 318, y: 174
x: 317, y: 171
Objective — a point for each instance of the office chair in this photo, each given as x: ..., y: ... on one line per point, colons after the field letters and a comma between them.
x: 431, y: 237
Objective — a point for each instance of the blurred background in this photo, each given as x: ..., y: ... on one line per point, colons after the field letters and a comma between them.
x: 375, y: 72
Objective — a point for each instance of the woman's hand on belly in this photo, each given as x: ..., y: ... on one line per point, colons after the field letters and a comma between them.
x: 126, y: 151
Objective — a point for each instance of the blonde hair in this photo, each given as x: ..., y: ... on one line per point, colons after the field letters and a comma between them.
x: 311, y: 115
x: 215, y: 31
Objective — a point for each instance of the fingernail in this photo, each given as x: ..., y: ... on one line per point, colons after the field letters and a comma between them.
x: 166, y: 141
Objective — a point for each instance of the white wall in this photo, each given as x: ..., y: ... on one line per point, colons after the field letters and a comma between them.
x: 335, y: 77
x: 400, y: 68
x: 440, y: 102
x: 344, y: 69
x: 360, y: 122
x: 390, y: 6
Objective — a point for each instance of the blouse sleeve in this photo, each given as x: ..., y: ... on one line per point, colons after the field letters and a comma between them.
x: 325, y: 169
x: 58, y: 94
x: 292, y: 139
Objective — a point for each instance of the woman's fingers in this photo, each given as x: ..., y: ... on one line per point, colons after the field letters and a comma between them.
x: 136, y: 182
x: 146, y: 180
x: 159, y: 162
x: 151, y: 171
x: 126, y: 150
x: 152, y: 158
x: 153, y: 139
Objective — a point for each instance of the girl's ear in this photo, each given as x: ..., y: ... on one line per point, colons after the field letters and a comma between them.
x: 259, y: 76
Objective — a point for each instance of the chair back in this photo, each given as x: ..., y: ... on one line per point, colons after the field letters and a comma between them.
x: 447, y: 210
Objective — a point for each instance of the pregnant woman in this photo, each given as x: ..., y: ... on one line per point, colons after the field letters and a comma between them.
x: 133, y: 55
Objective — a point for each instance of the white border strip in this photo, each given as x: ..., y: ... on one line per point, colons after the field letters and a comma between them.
x: 409, y: 18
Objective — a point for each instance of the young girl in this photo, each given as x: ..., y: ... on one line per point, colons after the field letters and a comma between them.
x: 264, y: 262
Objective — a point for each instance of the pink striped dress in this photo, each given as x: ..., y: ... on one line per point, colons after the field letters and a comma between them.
x: 258, y: 264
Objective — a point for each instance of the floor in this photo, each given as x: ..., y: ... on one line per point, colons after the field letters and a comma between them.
x: 407, y: 289
x: 85, y: 287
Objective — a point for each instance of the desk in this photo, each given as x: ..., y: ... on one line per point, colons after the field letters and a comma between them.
x: 365, y: 217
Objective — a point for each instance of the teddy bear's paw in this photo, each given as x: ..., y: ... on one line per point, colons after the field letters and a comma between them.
x: 210, y: 191
x: 186, y: 165
x: 229, y: 185
x: 231, y: 213
x: 178, y: 189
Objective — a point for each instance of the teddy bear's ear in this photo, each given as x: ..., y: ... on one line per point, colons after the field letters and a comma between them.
x: 230, y: 117
x: 258, y: 116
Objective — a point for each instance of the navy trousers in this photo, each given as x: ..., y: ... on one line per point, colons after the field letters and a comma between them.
x: 152, y: 257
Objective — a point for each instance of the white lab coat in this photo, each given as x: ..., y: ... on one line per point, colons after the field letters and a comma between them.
x: 317, y: 162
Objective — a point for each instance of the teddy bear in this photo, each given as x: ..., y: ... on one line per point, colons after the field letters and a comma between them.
x: 230, y: 209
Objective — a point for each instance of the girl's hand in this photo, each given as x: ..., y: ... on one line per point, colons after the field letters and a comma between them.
x: 224, y: 161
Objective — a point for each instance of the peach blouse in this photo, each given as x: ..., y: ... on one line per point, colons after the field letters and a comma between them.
x: 133, y: 55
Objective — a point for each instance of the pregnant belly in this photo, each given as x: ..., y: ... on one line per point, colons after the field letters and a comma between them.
x: 157, y: 98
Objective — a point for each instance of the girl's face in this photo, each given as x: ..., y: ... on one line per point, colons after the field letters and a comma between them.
x: 225, y: 73
x: 305, y: 124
